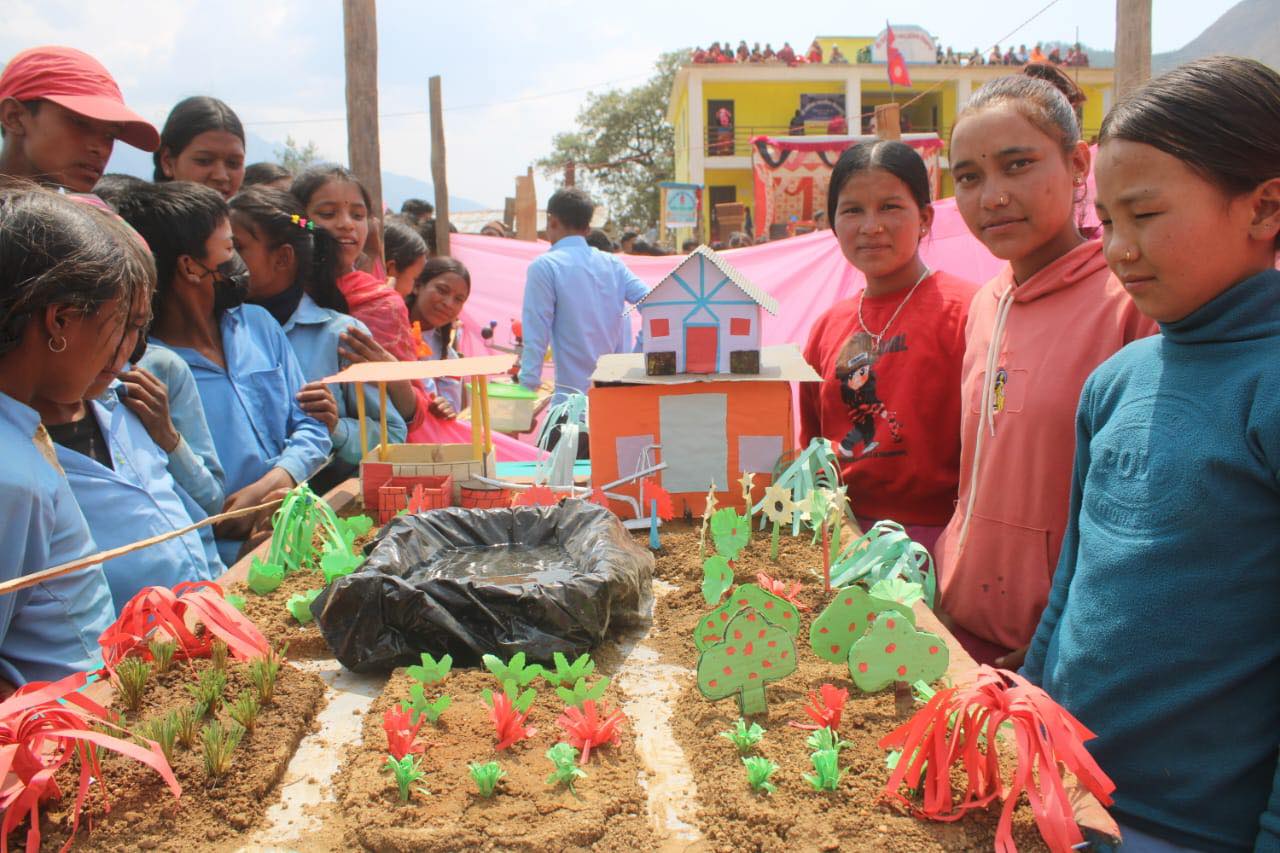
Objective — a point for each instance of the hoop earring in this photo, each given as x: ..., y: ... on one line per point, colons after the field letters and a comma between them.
x: 62, y: 348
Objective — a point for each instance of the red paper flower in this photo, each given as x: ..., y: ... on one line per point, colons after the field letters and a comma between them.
x: 42, y: 726
x: 779, y: 588
x: 508, y: 723
x: 962, y: 725
x: 825, y: 708
x: 536, y: 496
x: 653, y: 492
x: 402, y: 733
x: 588, y: 727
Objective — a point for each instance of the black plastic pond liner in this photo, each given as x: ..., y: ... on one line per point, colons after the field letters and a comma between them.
x: 470, y: 582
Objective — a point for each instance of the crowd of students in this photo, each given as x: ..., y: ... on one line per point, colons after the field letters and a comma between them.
x: 786, y: 55
x: 1089, y: 443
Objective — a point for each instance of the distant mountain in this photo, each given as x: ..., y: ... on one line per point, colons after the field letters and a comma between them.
x: 395, y: 188
x: 1250, y: 28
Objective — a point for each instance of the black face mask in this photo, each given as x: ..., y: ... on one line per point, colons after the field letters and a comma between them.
x: 230, y: 284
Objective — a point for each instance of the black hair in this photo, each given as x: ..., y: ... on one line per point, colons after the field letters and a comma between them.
x: 176, y: 219
x: 897, y: 158
x: 1043, y: 103
x: 600, y: 240
x: 305, y: 185
x: 56, y: 251
x: 629, y: 235
x: 112, y: 185
x: 264, y: 173
x: 416, y: 207
x: 689, y: 245
x: 1236, y: 151
x: 573, y: 207
x: 402, y: 242
x: 1058, y: 78
x: 436, y: 267
x: 187, y: 120
x: 280, y: 219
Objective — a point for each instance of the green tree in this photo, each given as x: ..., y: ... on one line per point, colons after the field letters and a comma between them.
x: 623, y: 145
x: 296, y: 158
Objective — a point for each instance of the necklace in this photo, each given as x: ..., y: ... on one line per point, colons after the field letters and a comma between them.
x: 876, y: 336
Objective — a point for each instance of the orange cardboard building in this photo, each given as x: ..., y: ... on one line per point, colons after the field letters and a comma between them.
x: 707, y: 428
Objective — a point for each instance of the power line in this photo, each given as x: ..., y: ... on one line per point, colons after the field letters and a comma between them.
x: 464, y: 107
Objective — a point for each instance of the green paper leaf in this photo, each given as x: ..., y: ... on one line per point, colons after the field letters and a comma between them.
x: 851, y: 612
x: 236, y: 601
x: 730, y: 532
x: 565, y: 673
x: 827, y: 773
x: 753, y: 653
x: 776, y: 610
x: 516, y: 672
x: 717, y: 578
x: 421, y: 706
x: 522, y: 702
x: 431, y: 670
x: 263, y: 577
x: 338, y: 563
x: 744, y: 737
x: 758, y: 772
x: 893, y: 650
x: 299, y: 605
x: 582, y: 691
x: 897, y: 589
x: 885, y: 551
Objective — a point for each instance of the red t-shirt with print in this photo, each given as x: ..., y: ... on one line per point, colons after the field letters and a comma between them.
x: 893, y: 414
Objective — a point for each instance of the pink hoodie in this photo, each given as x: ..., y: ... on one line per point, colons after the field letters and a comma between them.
x: 1040, y: 340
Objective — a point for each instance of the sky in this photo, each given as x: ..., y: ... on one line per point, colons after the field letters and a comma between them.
x: 513, y: 74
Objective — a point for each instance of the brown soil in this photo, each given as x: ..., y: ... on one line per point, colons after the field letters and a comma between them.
x: 795, y: 817
x: 524, y: 814
x: 276, y: 623
x: 144, y: 814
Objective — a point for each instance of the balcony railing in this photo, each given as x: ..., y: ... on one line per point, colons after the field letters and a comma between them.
x: 736, y: 141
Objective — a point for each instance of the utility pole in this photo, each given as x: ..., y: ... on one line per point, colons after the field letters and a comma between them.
x: 360, y: 40
x: 438, y: 171
x: 1133, y: 45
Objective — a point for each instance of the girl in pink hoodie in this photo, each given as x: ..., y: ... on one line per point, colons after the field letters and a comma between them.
x: 1034, y: 333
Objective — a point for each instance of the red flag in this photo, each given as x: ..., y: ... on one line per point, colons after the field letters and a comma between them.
x: 898, y: 75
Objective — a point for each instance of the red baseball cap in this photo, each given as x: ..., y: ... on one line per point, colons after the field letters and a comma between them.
x: 73, y: 79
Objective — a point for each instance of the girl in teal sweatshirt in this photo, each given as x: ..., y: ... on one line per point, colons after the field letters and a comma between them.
x: 1161, y: 628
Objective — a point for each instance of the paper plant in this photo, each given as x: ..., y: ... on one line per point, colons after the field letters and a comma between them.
x: 747, y: 481
x: 744, y: 737
x: 299, y: 605
x: 513, y: 677
x: 885, y: 551
x: 508, y: 721
x: 826, y: 770
x: 730, y: 532
x: 582, y: 690
x: 402, y: 733
x: 566, y: 673
x: 825, y: 707
x: 338, y: 561
x: 591, y: 726
x: 961, y: 725
x: 781, y: 589
x: 294, y: 525
x: 753, y: 653
x: 157, y: 613
x: 263, y: 577
x: 430, y: 670
x: 812, y: 468
x: 407, y: 769
x: 535, y: 496
x: 708, y: 508
x: 779, y: 509
x: 758, y: 772
x: 893, y: 650
x: 826, y: 738
x: 717, y: 578
x: 777, y: 611
x: 896, y: 589
x: 851, y: 612
x: 564, y: 760
x: 421, y: 706
x: 486, y: 776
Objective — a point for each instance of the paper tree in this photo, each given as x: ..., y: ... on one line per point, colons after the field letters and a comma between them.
x: 885, y: 551
x: 893, y: 650
x: 846, y: 619
x: 754, y: 653
x: 777, y: 611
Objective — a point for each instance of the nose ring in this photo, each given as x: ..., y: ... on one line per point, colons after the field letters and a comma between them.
x: 1003, y: 200
x: 1128, y: 255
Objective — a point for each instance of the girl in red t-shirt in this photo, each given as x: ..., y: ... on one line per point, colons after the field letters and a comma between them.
x: 890, y: 357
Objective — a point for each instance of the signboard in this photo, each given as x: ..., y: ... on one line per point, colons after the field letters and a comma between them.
x: 822, y: 107
x: 680, y: 203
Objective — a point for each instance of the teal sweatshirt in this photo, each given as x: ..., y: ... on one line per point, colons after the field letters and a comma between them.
x: 1162, y: 632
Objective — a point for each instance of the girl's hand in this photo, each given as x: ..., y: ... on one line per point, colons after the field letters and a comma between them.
x: 317, y: 400
x: 253, y: 494
x: 358, y: 347
x: 1013, y: 660
x: 443, y: 409
x: 148, y: 398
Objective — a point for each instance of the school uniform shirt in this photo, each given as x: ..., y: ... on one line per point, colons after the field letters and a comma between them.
x: 892, y: 414
x: 134, y: 499
x: 51, y: 630
x: 1160, y: 634
x: 194, y: 462
x: 574, y: 296
x: 314, y: 332
x: 1029, y: 348
x: 448, y: 387
x: 252, y: 405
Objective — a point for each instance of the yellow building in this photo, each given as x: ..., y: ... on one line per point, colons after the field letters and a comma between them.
x: 762, y: 99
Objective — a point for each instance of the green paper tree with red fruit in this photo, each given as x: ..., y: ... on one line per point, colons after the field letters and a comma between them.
x: 753, y: 653
x: 775, y: 610
x: 894, y: 651
x: 851, y: 612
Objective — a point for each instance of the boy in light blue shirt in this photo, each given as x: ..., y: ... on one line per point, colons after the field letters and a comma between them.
x: 574, y: 297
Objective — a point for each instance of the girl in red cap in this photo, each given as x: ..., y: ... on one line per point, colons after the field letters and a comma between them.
x: 60, y: 115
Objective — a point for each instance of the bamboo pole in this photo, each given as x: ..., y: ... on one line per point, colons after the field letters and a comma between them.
x: 475, y: 426
x: 484, y: 415
x: 382, y: 420
x: 438, y: 173
x: 360, y: 41
x: 364, y: 430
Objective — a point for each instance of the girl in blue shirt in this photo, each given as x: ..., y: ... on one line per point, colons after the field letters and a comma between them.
x: 69, y: 276
x: 293, y: 274
x: 246, y: 372
x: 1160, y: 633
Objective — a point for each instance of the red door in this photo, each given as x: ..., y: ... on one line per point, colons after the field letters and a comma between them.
x: 700, y: 346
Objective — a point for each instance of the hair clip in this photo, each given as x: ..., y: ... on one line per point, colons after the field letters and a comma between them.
x: 302, y: 222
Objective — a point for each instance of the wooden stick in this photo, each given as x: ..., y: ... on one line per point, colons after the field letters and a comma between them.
x: 475, y: 426
x: 76, y: 565
x: 360, y: 410
x: 484, y: 415
x: 438, y: 171
x: 382, y: 420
